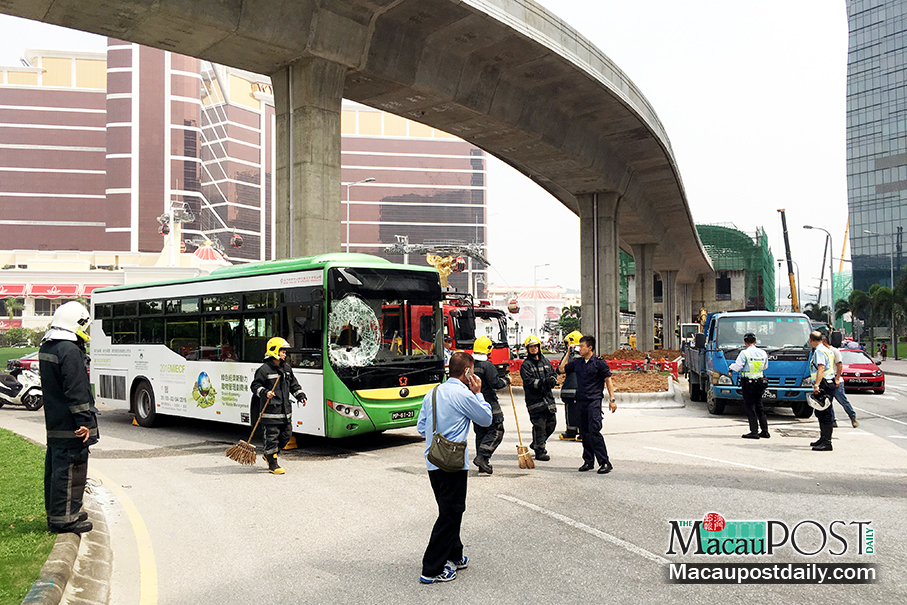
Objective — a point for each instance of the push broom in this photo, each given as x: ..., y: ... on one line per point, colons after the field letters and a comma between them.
x: 244, y: 452
x: 522, y: 451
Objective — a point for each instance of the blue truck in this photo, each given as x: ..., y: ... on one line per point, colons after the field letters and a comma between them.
x: 783, y: 336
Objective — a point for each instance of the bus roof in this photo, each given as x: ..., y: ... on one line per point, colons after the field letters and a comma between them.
x: 285, y: 265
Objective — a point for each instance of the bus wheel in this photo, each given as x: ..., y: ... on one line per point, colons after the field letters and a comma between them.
x: 143, y: 404
x: 801, y: 409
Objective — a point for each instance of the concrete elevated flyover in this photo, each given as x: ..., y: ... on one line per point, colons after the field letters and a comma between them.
x: 506, y: 75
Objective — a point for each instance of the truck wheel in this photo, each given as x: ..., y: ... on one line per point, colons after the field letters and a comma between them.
x: 143, y: 404
x: 801, y: 409
x: 716, y: 406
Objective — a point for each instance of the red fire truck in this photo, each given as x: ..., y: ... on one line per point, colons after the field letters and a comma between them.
x: 465, y: 320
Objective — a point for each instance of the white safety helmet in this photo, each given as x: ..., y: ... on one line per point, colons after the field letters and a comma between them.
x: 818, y: 401
x: 72, y: 317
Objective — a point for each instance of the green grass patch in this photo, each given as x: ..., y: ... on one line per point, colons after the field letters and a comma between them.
x: 7, y: 353
x: 24, y: 539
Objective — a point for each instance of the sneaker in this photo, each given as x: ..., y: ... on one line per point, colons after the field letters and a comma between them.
x: 463, y: 563
x: 445, y: 576
x: 854, y: 422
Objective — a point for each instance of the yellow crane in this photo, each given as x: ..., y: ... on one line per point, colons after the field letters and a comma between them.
x: 795, y: 304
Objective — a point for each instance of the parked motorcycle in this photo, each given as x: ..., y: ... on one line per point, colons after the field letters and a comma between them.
x: 21, y: 387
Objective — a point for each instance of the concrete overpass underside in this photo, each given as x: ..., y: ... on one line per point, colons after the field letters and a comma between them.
x: 505, y: 75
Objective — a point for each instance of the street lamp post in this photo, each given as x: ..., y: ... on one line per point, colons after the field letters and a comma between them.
x: 348, y: 185
x: 535, y: 294
x: 831, y: 275
x: 894, y: 341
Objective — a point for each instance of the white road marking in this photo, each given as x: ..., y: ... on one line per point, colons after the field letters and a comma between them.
x: 880, y: 416
x: 891, y: 397
x: 758, y: 468
x: 589, y: 530
x: 897, y: 436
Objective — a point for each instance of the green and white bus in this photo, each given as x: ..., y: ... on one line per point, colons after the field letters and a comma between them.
x: 365, y: 336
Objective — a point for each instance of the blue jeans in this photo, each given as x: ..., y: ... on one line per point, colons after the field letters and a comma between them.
x: 840, y: 398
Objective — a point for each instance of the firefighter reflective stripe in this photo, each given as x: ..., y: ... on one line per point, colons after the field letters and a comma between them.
x: 49, y: 357
x: 70, y: 434
x: 75, y: 409
x: 755, y: 360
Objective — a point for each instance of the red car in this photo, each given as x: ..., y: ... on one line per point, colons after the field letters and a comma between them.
x: 861, y: 372
x: 29, y: 362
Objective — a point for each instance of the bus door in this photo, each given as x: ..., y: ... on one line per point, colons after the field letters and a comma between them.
x: 303, y: 320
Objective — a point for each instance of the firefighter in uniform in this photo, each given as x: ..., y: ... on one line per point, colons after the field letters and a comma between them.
x: 70, y: 417
x: 751, y: 363
x: 488, y: 438
x: 822, y: 371
x: 568, y: 390
x: 276, y: 419
x: 538, y: 380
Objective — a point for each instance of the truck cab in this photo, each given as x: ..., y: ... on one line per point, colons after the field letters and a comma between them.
x: 465, y: 320
x: 783, y: 336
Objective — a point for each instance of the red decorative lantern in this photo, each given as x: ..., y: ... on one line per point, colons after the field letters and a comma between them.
x: 236, y: 241
x: 164, y: 229
x: 513, y: 306
x: 182, y: 246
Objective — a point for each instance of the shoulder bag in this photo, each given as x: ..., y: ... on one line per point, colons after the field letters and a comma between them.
x: 447, y: 455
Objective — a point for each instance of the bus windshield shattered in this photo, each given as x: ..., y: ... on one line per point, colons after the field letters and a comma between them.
x: 383, y: 317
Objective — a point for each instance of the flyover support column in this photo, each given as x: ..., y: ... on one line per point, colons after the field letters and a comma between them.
x: 643, y: 257
x: 685, y: 302
x: 599, y: 265
x: 307, y: 98
x: 669, y: 296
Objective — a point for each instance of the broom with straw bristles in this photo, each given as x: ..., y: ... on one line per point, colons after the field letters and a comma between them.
x: 522, y: 451
x: 244, y: 452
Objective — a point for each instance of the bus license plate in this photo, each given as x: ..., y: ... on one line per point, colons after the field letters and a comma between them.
x: 769, y: 395
x: 403, y: 415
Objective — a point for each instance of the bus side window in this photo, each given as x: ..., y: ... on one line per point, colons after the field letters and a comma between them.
x: 258, y: 329
x: 305, y: 335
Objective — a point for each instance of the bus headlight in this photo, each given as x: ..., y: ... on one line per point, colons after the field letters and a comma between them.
x: 348, y: 411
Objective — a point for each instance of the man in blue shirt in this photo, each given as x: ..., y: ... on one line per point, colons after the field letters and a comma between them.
x: 592, y: 375
x: 459, y: 402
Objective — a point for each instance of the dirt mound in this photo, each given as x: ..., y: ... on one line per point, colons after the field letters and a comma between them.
x: 624, y: 382
x: 633, y: 354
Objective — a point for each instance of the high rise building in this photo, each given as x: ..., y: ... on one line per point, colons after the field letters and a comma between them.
x: 877, y: 138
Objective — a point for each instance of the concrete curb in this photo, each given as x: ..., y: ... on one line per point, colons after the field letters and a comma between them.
x: 78, y: 568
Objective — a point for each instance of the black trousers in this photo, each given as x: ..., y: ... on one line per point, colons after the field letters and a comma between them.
x: 276, y: 436
x: 544, y: 423
x: 827, y: 416
x: 444, y: 544
x: 590, y: 427
x: 572, y: 413
x: 752, y: 392
x: 65, y: 473
x: 488, y: 438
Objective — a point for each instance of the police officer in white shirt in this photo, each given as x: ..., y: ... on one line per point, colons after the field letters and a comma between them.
x: 822, y: 371
x: 751, y: 364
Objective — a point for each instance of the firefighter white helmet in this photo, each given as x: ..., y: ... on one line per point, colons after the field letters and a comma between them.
x: 72, y: 317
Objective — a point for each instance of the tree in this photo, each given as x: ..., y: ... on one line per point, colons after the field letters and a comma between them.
x: 12, y: 305
x: 571, y: 319
x: 881, y: 301
x: 816, y: 312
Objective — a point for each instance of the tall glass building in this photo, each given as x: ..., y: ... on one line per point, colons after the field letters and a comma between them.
x: 877, y: 138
